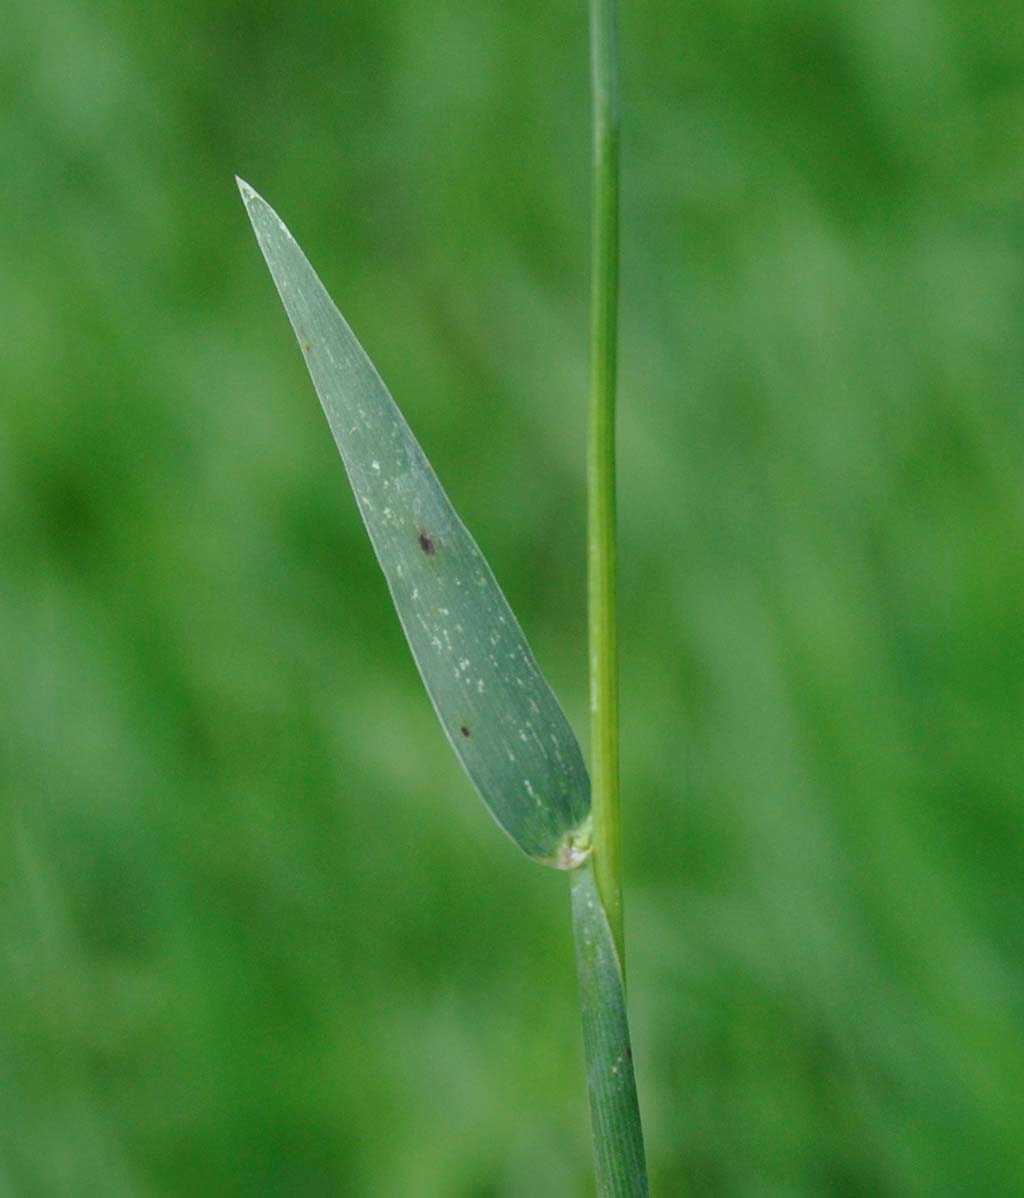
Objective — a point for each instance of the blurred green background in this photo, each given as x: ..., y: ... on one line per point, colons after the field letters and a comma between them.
x: 257, y: 935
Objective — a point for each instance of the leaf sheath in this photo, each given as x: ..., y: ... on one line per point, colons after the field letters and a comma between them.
x: 611, y: 1085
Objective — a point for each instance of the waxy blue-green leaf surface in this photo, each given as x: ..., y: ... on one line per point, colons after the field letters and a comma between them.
x: 495, y: 706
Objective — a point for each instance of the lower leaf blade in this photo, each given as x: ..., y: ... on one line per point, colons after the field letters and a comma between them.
x: 619, y: 1159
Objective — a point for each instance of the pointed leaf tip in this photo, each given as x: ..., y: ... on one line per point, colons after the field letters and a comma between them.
x: 247, y: 192
x: 496, y: 708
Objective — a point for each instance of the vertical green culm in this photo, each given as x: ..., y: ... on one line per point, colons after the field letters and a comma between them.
x: 619, y: 1162
x: 601, y: 531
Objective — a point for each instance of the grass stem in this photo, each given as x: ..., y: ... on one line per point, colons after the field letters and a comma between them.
x: 601, y: 520
x: 619, y: 1163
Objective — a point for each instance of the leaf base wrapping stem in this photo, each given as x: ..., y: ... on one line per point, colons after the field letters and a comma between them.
x: 611, y: 1085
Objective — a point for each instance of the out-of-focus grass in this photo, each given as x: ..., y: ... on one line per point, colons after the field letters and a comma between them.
x: 249, y: 906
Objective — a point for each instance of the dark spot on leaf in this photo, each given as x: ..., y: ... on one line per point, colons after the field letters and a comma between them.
x: 427, y: 545
x: 629, y: 1051
x: 464, y: 729
x: 306, y: 346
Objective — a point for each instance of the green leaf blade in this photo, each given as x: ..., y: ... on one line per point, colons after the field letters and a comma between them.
x: 496, y: 708
x: 619, y: 1159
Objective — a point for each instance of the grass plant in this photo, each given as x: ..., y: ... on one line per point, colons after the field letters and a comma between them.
x: 495, y: 707
x: 258, y: 941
